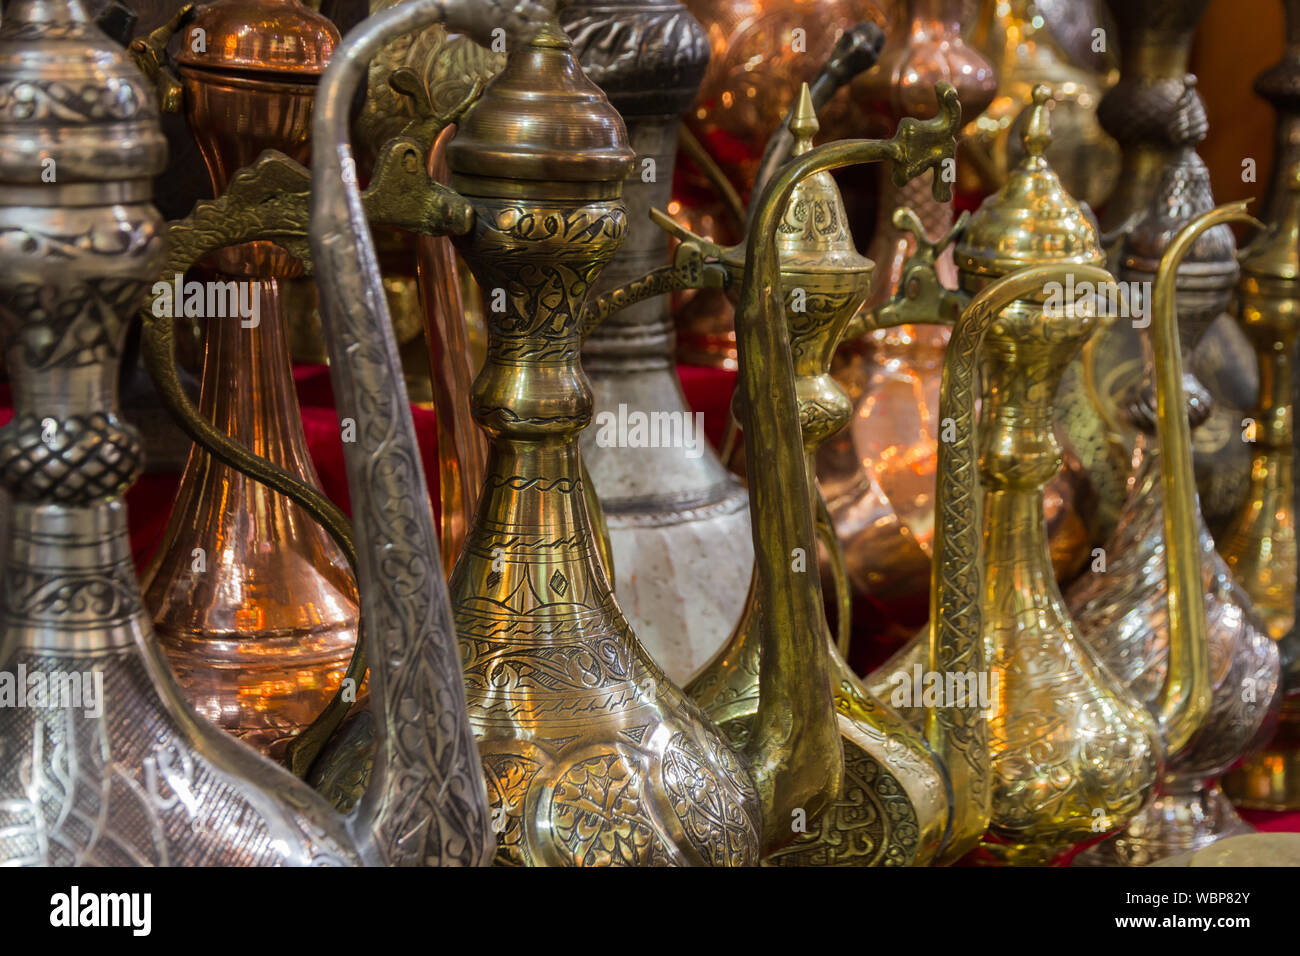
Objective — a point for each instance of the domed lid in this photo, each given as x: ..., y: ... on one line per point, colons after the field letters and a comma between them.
x: 541, y: 121
x: 1182, y: 194
x: 75, y: 108
x: 814, y: 232
x: 260, y: 36
x: 1031, y: 220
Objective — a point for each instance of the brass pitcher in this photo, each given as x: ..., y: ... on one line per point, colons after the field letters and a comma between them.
x: 131, y: 774
x: 593, y: 756
x: 894, y: 806
x: 1120, y: 608
x: 253, y: 602
x: 1073, y: 752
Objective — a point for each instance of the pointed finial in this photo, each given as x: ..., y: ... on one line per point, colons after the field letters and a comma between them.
x: 803, y: 123
x: 1037, y: 135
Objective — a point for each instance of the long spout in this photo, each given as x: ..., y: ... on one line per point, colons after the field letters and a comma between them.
x: 959, y: 734
x: 426, y: 802
x: 794, y: 746
x: 1184, y: 700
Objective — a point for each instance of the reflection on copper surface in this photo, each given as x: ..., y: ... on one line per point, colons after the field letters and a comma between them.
x: 762, y: 50
x: 252, y: 600
x: 462, y: 450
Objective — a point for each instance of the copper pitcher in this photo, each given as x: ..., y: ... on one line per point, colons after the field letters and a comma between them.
x: 97, y: 781
x: 254, y: 603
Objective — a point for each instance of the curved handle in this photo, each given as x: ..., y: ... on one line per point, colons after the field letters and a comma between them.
x: 1184, y: 700
x: 426, y: 802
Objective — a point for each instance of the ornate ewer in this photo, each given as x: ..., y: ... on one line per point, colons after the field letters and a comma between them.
x: 94, y: 777
x: 1073, y: 752
x: 1120, y: 607
x: 253, y: 602
x: 677, y: 520
x: 1259, y: 544
x: 593, y: 756
x: 566, y: 703
x: 895, y: 805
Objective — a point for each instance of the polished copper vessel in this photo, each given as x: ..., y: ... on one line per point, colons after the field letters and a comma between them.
x: 1120, y: 606
x: 253, y: 601
x: 878, y: 475
x: 761, y: 51
x: 129, y: 773
x: 677, y: 520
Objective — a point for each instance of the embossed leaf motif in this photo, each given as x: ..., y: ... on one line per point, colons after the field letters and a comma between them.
x: 709, y: 809
x: 598, y: 817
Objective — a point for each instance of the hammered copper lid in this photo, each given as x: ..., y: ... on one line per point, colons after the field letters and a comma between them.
x: 259, y: 36
x: 541, y: 121
x: 70, y: 95
x: 1031, y: 220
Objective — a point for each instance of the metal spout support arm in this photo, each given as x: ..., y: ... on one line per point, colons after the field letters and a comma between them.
x: 426, y: 801
x: 1185, y: 698
x: 921, y: 297
x: 794, y: 746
